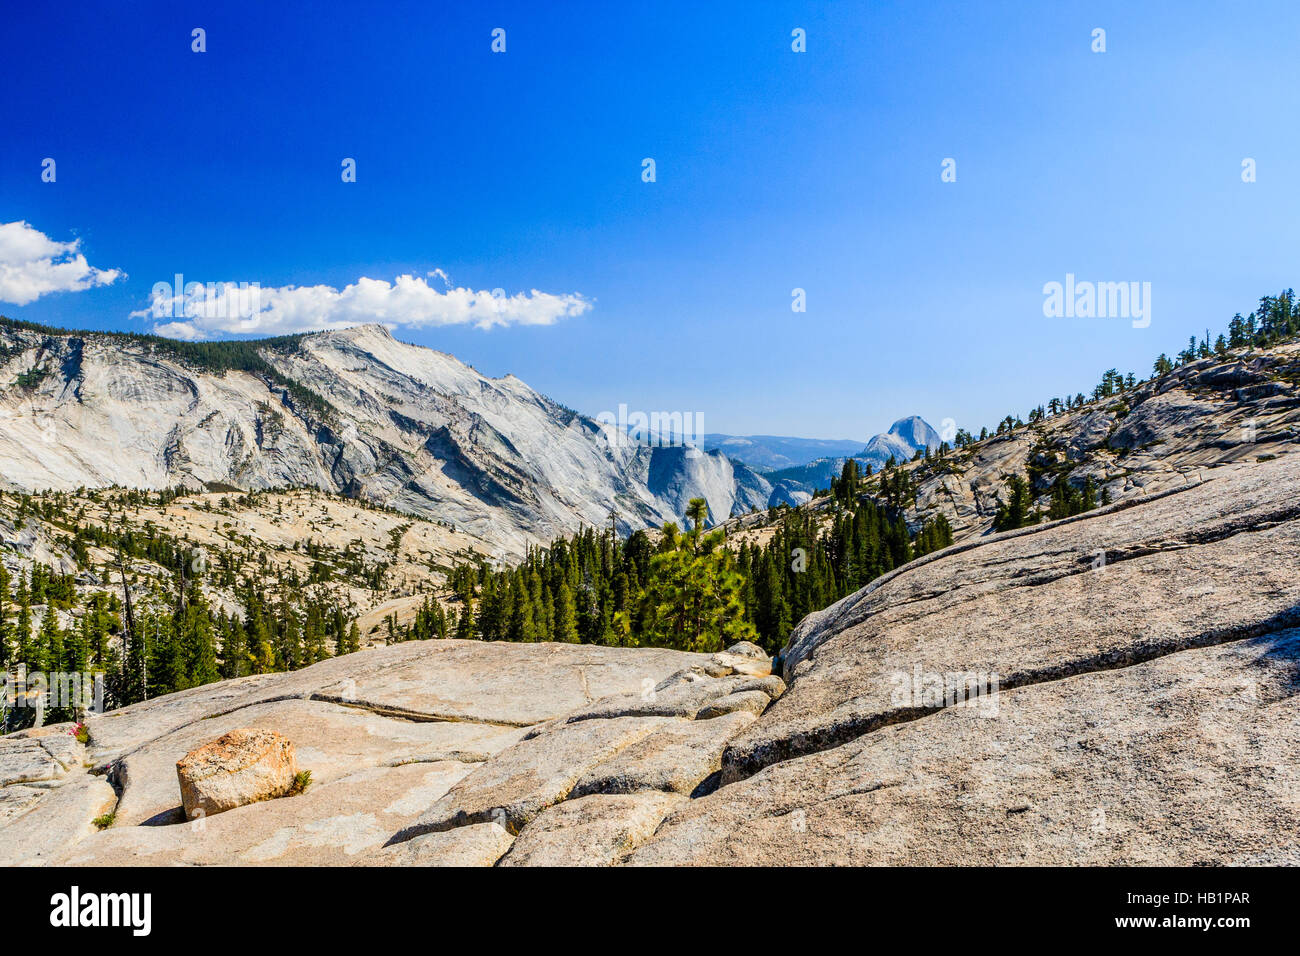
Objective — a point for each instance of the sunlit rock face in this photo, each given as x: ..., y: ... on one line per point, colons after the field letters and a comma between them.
x: 371, y: 417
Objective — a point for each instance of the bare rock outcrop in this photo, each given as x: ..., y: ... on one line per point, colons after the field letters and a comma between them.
x: 1116, y: 688
x: 482, y: 844
x: 1122, y: 686
x: 242, y: 767
x: 387, y: 733
x: 1188, y: 759
x: 596, y: 830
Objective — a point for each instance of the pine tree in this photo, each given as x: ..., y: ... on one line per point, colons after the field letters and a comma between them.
x: 465, y: 630
x: 695, y: 597
x: 196, y: 643
x: 566, y: 623
x: 49, y: 657
x: 6, y: 626
x: 261, y: 652
x: 1014, y: 512
x: 313, y: 635
x: 23, y: 648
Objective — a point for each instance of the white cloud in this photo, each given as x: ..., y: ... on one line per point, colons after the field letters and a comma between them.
x: 178, y: 330
x: 200, y: 312
x: 32, y: 264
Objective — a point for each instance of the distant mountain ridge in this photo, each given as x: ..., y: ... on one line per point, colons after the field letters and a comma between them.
x: 904, y: 439
x: 772, y: 452
x: 355, y: 412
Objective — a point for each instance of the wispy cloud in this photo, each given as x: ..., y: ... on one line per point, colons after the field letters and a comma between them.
x: 199, y: 312
x: 32, y: 264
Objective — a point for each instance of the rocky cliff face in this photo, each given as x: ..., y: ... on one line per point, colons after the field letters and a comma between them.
x: 1117, y: 687
x: 399, y: 425
x: 1161, y: 435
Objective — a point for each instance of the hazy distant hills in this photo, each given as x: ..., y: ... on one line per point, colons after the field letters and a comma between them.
x: 773, y: 452
x: 904, y: 439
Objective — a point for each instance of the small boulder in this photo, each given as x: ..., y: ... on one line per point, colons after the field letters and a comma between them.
x: 244, y: 766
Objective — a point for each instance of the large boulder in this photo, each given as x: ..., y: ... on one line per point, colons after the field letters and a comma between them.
x: 386, y: 733
x: 244, y: 766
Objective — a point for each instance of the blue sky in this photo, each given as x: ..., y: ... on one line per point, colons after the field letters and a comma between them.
x: 775, y: 170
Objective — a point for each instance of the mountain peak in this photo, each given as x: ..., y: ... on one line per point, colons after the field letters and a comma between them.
x: 916, y: 431
x: 364, y: 330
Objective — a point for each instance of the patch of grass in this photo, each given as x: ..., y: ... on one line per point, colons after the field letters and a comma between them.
x: 105, y: 821
x: 301, y: 781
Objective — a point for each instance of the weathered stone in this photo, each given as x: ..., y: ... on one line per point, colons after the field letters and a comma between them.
x: 676, y: 758
x: 26, y: 761
x: 240, y: 767
x: 596, y: 830
x: 504, y: 683
x: 17, y: 799
x: 523, y: 780
x: 1039, y: 605
x: 741, y: 664
x: 64, y: 748
x: 480, y: 844
x: 332, y: 741
x: 748, y: 701
x: 343, y: 822
x: 513, y: 685
x: 56, y: 821
x: 681, y: 695
x: 1192, y: 758
x: 748, y: 649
